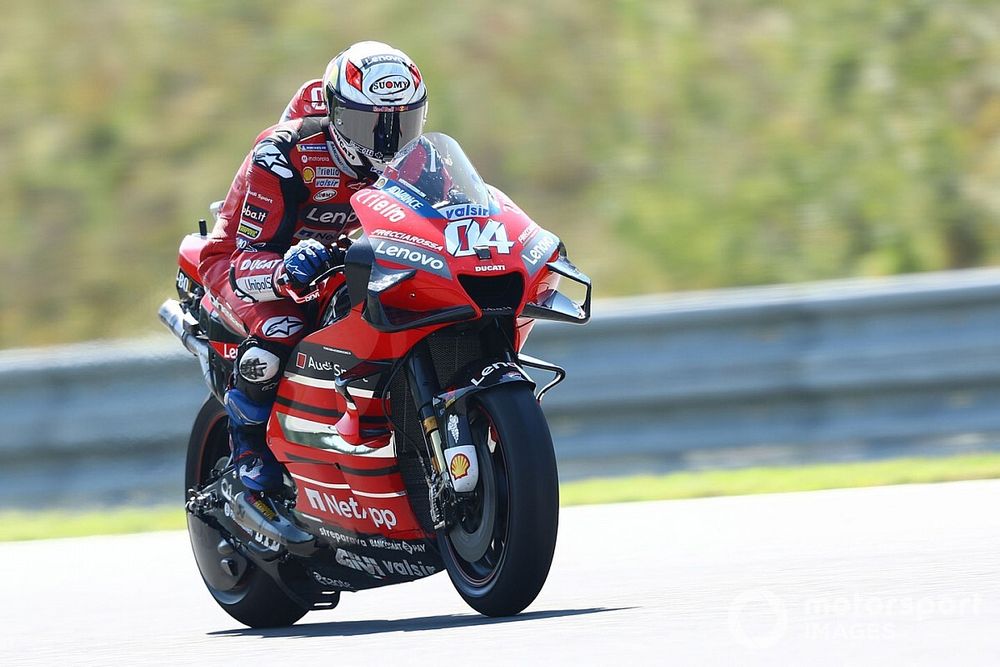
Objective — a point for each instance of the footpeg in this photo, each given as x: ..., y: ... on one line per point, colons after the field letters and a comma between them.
x: 199, y: 503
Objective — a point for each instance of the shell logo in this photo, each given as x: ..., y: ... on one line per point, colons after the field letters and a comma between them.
x: 460, y: 466
x: 308, y: 174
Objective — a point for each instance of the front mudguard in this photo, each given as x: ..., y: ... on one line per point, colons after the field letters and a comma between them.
x: 478, y: 377
x: 451, y: 410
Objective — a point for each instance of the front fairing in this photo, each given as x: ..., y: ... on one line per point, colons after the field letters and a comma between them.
x: 434, y: 231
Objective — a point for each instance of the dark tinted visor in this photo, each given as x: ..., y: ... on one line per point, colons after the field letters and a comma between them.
x: 379, y: 134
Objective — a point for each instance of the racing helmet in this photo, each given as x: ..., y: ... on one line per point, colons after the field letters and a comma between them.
x: 377, y: 103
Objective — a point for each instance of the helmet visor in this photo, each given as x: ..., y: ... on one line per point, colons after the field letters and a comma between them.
x: 378, y: 134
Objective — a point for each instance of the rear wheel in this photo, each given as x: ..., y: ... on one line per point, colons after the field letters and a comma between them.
x: 499, y: 553
x: 246, y: 593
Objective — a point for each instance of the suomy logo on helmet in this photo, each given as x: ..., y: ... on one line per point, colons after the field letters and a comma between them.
x: 389, y: 84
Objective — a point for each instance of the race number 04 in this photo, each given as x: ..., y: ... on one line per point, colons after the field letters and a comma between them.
x: 462, y: 236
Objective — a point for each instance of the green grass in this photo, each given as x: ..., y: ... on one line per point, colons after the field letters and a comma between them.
x: 41, y: 525
x: 47, y: 524
x: 745, y: 481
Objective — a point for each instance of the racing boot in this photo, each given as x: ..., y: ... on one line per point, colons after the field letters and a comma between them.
x: 262, y: 475
x: 258, y: 469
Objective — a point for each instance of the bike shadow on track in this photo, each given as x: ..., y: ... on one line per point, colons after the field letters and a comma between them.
x: 381, y: 626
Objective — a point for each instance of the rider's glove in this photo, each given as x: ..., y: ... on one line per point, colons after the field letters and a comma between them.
x: 307, y: 259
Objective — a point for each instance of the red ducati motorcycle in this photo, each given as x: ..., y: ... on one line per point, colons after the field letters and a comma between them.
x: 411, y: 433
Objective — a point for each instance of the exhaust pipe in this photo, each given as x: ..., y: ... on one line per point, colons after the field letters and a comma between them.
x: 175, y: 319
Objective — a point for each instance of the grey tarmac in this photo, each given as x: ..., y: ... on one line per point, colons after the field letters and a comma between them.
x: 890, y: 575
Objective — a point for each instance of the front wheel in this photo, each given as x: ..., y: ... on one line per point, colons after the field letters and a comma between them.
x: 499, y: 552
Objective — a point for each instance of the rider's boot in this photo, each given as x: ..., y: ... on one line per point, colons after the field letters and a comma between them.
x: 261, y: 474
x: 258, y: 469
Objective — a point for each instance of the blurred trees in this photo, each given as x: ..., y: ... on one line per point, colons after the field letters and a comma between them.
x: 674, y: 144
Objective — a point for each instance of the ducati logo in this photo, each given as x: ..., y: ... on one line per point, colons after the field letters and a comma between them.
x: 462, y: 237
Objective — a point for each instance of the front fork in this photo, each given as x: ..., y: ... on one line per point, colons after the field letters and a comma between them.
x: 424, y: 385
x: 445, y: 420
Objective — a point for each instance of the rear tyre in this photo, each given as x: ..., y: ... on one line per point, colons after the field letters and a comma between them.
x: 498, y: 555
x: 243, y: 590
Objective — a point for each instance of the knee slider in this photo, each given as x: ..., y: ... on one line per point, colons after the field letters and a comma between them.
x: 257, y: 368
x: 257, y: 365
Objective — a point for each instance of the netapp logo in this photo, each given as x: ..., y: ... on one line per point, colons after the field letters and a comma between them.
x: 349, y: 509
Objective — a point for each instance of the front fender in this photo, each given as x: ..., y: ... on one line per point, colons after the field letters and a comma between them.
x: 478, y: 377
x: 451, y: 410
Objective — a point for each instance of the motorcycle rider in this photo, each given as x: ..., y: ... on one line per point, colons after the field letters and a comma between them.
x: 294, y: 187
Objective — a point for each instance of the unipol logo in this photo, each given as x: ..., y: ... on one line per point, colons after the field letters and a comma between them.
x: 463, y: 236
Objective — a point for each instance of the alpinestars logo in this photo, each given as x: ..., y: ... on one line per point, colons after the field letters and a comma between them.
x: 269, y: 157
x: 282, y: 327
x: 252, y: 473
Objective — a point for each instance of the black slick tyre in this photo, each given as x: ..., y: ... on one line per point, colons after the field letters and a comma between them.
x: 245, y: 592
x: 511, y: 528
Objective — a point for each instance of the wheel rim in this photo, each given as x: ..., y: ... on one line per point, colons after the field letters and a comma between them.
x: 478, y: 541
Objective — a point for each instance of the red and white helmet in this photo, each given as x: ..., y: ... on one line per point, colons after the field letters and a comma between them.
x: 377, y: 103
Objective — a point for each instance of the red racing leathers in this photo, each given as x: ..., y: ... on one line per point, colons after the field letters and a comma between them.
x: 293, y: 185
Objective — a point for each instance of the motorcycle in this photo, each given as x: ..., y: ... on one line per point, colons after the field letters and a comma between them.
x: 411, y: 434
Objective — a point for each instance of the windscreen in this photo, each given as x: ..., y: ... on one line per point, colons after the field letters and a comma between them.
x: 435, y: 167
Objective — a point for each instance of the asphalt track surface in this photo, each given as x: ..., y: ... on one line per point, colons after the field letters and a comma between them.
x: 892, y: 575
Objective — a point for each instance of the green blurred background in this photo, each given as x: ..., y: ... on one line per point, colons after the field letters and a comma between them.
x: 674, y: 145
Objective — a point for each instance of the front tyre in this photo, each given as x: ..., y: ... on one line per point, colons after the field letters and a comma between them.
x: 499, y: 552
x: 243, y: 590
